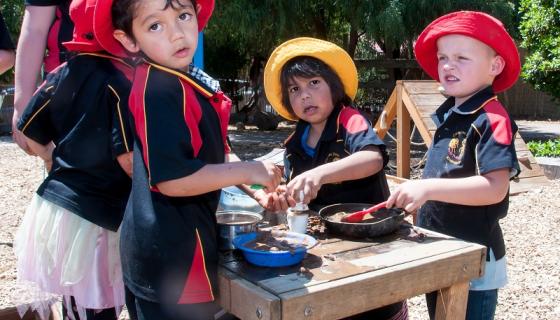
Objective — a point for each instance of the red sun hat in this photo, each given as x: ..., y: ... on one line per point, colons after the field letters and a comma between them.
x: 83, y: 38
x: 103, y: 24
x: 477, y: 25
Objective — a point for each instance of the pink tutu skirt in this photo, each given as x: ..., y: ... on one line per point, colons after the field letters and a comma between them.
x: 60, y: 253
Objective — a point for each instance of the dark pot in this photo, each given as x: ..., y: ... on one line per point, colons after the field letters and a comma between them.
x: 383, y: 222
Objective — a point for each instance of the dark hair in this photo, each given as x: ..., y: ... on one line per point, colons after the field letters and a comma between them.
x: 309, y: 67
x: 123, y: 12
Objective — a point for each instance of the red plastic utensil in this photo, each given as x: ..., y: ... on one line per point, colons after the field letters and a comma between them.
x: 359, y: 215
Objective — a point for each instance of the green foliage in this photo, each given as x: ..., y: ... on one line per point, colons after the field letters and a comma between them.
x: 550, y: 148
x: 540, y: 29
x: 253, y: 28
x: 12, y: 11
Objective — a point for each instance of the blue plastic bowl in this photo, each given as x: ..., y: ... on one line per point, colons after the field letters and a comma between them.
x: 275, y: 258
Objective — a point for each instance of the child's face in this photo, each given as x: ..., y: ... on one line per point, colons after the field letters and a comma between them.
x: 465, y: 66
x: 311, y: 99
x: 167, y: 36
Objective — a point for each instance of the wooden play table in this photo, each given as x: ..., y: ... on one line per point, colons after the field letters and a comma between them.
x: 342, y: 277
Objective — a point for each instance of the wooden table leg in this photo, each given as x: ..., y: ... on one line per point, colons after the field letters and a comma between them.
x: 403, y: 135
x: 452, y: 302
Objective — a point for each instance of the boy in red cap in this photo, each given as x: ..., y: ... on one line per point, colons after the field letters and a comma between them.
x: 169, y: 246
x: 465, y: 187
x: 78, y: 123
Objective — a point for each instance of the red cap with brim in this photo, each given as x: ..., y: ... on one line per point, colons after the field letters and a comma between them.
x: 103, y: 24
x: 83, y: 39
x: 477, y: 25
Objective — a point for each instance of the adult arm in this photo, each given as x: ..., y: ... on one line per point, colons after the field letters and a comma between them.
x: 29, y: 58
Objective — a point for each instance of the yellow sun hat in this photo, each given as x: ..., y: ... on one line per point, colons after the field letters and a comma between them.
x: 331, y: 54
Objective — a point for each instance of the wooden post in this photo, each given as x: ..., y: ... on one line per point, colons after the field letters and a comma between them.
x: 387, y: 116
x: 452, y: 302
x: 403, y: 135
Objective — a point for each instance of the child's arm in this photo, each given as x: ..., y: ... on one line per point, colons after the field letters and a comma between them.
x: 358, y: 165
x: 125, y: 161
x: 42, y: 151
x: 480, y: 190
x: 271, y: 201
x: 261, y: 196
x: 217, y: 176
x: 122, y: 133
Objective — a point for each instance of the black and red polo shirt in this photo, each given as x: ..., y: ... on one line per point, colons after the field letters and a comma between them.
x: 60, y: 31
x: 472, y: 139
x: 169, y: 244
x: 81, y: 107
x: 346, y: 132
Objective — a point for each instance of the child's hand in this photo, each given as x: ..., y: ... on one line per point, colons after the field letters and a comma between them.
x: 409, y: 196
x: 266, y: 174
x: 282, y: 200
x: 48, y: 165
x: 274, y: 201
x: 125, y: 161
x: 264, y: 199
x: 308, y: 182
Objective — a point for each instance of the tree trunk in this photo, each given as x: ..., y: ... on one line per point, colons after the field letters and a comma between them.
x: 353, y: 38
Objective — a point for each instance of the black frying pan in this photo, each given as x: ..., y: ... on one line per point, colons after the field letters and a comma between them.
x: 382, y: 222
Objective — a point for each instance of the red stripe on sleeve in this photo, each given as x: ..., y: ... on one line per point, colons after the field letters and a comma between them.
x: 222, y: 105
x: 138, y: 109
x: 193, y: 113
x: 352, y: 120
x: 499, y: 122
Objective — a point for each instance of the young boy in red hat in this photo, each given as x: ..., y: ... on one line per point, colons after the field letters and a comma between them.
x: 169, y: 246
x: 465, y: 187
x: 78, y: 123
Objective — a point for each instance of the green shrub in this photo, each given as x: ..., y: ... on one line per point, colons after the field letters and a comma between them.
x: 550, y: 148
x: 540, y: 29
x: 12, y: 11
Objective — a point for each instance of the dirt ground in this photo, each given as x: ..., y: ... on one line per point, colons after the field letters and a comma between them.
x: 530, y: 229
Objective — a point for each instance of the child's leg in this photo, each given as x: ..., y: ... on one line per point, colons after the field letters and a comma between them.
x: 431, y: 299
x: 395, y: 311
x: 130, y: 304
x: 140, y: 309
x: 482, y: 304
x: 90, y: 314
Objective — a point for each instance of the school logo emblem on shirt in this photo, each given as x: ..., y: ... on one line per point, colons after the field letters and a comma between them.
x: 456, y: 148
x: 332, y: 157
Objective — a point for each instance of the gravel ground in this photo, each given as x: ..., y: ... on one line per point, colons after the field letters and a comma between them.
x: 530, y: 229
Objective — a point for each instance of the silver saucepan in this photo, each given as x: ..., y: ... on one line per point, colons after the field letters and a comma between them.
x: 233, y: 223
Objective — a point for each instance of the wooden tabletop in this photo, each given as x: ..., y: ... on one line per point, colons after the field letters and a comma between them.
x: 342, y: 277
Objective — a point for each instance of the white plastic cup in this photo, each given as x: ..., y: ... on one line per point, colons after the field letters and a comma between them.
x: 297, y: 221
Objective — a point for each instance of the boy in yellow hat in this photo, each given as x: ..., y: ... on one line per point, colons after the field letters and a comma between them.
x: 334, y: 155
x: 465, y: 185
